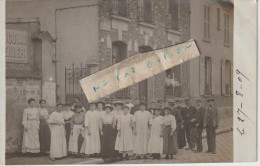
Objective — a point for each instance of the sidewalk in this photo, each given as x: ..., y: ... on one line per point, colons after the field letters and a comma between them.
x: 225, y: 125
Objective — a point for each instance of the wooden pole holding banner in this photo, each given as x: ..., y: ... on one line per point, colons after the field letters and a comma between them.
x: 135, y: 69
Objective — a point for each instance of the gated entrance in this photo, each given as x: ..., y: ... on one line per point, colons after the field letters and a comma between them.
x: 72, y: 86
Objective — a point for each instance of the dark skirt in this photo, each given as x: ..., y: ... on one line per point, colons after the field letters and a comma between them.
x: 44, y: 136
x: 169, y: 142
x: 67, y: 129
x: 108, y: 146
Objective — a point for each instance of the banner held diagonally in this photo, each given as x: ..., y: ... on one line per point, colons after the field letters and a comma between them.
x: 135, y: 69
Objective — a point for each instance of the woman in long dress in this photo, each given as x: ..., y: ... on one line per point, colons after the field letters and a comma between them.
x: 155, y: 145
x: 117, y: 112
x: 141, y: 131
x: 77, y: 131
x: 169, y: 134
x: 44, y: 132
x: 100, y: 106
x: 31, y: 143
x: 92, y: 127
x: 58, y: 135
x: 124, y: 140
x: 107, y: 133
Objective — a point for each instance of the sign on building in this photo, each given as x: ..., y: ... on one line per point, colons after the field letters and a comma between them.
x: 16, y: 46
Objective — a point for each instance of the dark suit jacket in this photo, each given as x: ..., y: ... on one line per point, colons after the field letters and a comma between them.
x: 134, y: 109
x: 177, y: 113
x: 188, y: 114
x: 211, y: 118
x: 200, y: 116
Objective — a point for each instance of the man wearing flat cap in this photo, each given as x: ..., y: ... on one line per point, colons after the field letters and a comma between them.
x: 199, y: 125
x: 188, y: 114
x: 211, y: 122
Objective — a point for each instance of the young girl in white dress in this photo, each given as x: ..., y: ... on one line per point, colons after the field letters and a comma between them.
x: 155, y: 145
x: 124, y: 140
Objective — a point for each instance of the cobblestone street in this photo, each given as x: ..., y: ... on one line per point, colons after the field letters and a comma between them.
x: 224, y: 153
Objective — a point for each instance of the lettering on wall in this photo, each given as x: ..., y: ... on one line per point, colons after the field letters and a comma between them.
x: 16, y: 46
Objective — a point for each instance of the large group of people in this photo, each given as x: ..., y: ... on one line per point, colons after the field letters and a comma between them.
x: 115, y: 131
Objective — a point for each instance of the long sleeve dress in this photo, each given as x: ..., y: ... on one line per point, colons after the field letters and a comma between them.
x: 124, y: 141
x: 108, y: 147
x: 155, y: 144
x: 169, y: 141
x: 142, y: 136
x: 92, y: 141
x: 31, y: 123
x: 44, y: 132
x: 58, y: 135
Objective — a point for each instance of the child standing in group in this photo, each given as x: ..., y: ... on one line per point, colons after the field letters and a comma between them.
x: 169, y: 134
x: 124, y: 140
x: 155, y: 145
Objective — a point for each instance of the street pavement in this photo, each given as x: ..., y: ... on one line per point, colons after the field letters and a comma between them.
x: 224, y: 153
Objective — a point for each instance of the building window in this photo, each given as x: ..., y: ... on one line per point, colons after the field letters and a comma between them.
x: 226, y: 29
x: 147, y: 11
x: 206, y: 22
x: 218, y: 18
x: 208, y: 75
x: 122, y: 8
x: 119, y: 53
x: 173, y: 11
x: 228, y: 76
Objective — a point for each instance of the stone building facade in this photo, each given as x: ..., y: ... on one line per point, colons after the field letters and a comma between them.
x: 130, y: 26
x: 66, y: 38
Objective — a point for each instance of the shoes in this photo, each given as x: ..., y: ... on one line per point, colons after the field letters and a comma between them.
x: 208, y: 151
x: 188, y: 148
x: 52, y: 159
x: 213, y: 152
x: 167, y: 157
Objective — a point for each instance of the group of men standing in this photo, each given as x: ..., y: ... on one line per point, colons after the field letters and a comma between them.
x: 191, y: 121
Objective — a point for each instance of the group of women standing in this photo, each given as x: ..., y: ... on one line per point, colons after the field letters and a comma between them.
x: 105, y: 130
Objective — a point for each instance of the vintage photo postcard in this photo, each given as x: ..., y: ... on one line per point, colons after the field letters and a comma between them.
x: 128, y: 82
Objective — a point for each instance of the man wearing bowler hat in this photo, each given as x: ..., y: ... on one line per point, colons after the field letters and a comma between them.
x: 199, y: 125
x: 211, y: 122
x: 189, y: 113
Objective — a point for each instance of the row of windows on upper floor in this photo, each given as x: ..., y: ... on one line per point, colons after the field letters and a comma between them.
x: 207, y: 24
x: 145, y: 11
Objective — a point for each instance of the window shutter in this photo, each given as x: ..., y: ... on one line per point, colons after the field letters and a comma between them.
x: 223, y: 80
x: 202, y: 75
x: 213, y: 82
